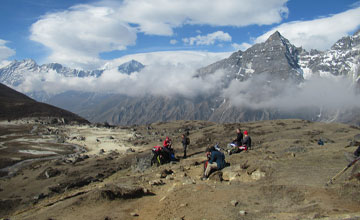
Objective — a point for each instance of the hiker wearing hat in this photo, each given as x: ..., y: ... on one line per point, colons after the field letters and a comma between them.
x: 246, y: 143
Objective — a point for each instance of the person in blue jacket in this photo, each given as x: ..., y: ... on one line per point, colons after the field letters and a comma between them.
x: 216, y: 162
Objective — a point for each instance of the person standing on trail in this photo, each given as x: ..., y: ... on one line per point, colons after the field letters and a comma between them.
x: 216, y: 162
x: 185, y: 140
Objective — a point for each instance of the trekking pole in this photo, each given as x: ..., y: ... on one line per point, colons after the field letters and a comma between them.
x: 342, y: 171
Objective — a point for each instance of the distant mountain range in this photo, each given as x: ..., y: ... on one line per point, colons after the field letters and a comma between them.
x: 267, y: 67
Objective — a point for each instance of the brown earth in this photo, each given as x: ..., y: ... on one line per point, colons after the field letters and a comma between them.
x: 282, y: 177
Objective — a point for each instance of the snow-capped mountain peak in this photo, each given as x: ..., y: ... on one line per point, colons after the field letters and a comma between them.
x: 130, y: 67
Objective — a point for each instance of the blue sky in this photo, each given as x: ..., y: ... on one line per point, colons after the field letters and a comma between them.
x: 86, y: 34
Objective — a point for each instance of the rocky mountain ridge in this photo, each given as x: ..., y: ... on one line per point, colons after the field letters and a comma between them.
x: 276, y: 61
x: 276, y: 57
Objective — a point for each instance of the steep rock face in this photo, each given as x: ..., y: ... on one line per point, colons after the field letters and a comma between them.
x: 342, y: 59
x: 276, y: 57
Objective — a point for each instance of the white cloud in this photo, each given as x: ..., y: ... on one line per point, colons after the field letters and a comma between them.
x: 320, y: 33
x: 166, y: 74
x: 192, y: 59
x: 173, y: 41
x: 208, y: 39
x: 5, y: 52
x: 77, y: 36
x: 243, y: 46
x: 159, y: 17
x: 318, y: 92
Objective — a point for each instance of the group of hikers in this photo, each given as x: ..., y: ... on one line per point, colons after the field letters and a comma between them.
x: 215, y: 155
x: 216, y: 158
x: 166, y: 153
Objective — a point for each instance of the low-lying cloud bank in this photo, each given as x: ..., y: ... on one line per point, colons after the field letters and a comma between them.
x: 330, y: 93
x: 175, y: 79
x: 166, y: 74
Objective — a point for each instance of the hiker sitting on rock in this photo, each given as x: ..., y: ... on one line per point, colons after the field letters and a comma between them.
x: 236, y: 145
x: 246, y: 143
x: 167, y: 149
x: 216, y: 162
x: 233, y: 147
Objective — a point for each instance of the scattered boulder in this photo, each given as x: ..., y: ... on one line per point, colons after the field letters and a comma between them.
x: 49, y: 173
x: 80, y: 158
x: 165, y: 172
x: 216, y: 176
x: 183, y: 205
x: 102, y: 151
x: 112, y: 192
x: 130, y: 150
x: 39, y: 197
x: 242, y: 212
x: 156, y: 182
x: 169, y: 178
x: 257, y: 175
x: 234, y: 202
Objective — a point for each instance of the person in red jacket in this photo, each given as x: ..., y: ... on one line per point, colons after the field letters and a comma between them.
x: 167, y: 143
x: 167, y: 149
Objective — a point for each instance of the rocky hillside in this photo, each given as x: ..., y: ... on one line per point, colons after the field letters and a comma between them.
x: 282, y: 177
x: 15, y: 105
x: 276, y: 57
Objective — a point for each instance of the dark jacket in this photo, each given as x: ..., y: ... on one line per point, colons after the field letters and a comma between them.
x: 239, y: 139
x: 219, y: 158
x: 247, y: 141
x: 184, y: 142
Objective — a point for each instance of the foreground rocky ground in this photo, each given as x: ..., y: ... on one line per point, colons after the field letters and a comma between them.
x: 282, y: 177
